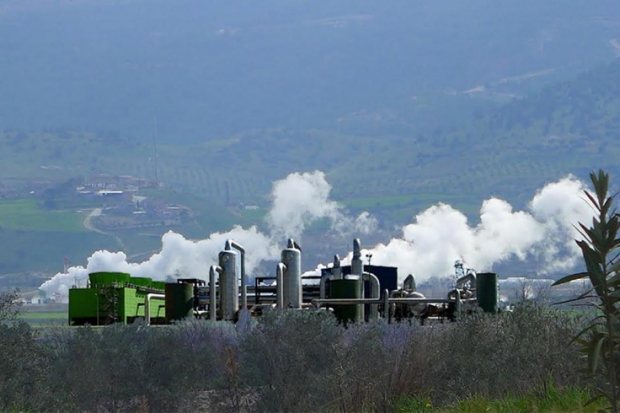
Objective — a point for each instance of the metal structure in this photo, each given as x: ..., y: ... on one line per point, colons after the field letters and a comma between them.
x: 354, y: 293
x: 229, y: 288
x: 291, y: 277
x: 113, y: 297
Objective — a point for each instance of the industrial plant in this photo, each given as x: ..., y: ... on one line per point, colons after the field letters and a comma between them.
x: 354, y: 293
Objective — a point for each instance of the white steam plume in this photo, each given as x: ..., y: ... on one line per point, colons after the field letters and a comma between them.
x: 298, y: 200
x: 440, y: 235
x: 178, y: 257
x: 302, y: 199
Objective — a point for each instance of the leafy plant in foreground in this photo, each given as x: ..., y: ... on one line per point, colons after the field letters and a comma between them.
x: 600, y: 248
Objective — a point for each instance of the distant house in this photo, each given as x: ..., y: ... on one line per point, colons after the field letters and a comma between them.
x: 110, y: 193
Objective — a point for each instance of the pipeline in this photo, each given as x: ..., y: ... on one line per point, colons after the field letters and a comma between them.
x: 147, y: 305
x: 375, y: 288
x: 357, y: 267
x: 280, y: 270
x: 244, y: 294
x: 213, y: 291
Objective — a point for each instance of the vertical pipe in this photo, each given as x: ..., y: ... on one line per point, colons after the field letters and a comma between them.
x: 357, y: 267
x: 375, y: 291
x: 336, y: 269
x: 213, y: 292
x: 244, y: 291
x: 386, y: 305
x: 147, y: 306
x: 229, y: 290
x: 291, y: 258
x: 280, y: 270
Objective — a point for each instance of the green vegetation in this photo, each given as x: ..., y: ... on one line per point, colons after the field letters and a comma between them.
x: 44, y: 250
x: 600, y: 339
x: 40, y: 315
x: 296, y: 361
x: 28, y: 215
x: 552, y: 400
x: 508, y: 152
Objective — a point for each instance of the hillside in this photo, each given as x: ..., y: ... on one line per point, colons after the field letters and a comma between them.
x: 208, y: 70
x: 568, y: 127
x: 240, y: 100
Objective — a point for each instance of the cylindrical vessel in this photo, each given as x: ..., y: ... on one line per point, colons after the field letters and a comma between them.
x: 159, y: 285
x: 105, y: 279
x: 291, y: 258
x: 487, y: 291
x: 346, y: 288
x: 357, y: 268
x: 179, y: 301
x: 229, y: 287
x: 141, y: 281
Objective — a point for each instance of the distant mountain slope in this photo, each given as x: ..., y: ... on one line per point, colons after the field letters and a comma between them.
x: 571, y: 127
x: 209, y: 69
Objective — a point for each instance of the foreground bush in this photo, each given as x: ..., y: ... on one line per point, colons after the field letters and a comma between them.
x: 289, y: 361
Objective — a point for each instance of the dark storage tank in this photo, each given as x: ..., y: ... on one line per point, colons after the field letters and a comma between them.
x: 347, y: 288
x: 487, y: 291
x: 179, y: 301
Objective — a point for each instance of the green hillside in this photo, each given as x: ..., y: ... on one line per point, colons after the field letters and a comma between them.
x: 506, y: 151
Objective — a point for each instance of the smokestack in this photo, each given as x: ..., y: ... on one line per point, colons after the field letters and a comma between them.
x: 292, y: 289
x: 336, y: 269
x: 357, y: 268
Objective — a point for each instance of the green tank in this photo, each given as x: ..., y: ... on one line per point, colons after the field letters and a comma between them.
x: 105, y: 279
x: 159, y: 285
x: 487, y: 291
x: 179, y: 301
x: 347, y: 288
x: 141, y: 281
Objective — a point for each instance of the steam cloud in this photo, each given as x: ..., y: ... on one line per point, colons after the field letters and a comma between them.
x: 428, y: 246
x: 301, y: 199
x: 440, y: 235
x: 297, y: 201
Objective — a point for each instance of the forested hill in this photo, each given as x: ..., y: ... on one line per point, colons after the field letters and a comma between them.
x: 210, y: 69
x: 571, y: 127
x: 584, y: 111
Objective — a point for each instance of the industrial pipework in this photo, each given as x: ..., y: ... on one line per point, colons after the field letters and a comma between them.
x: 215, y: 269
x: 290, y: 272
x: 357, y: 268
x: 229, y: 289
x: 375, y: 291
x: 147, y: 305
x: 336, y: 274
x: 244, y: 292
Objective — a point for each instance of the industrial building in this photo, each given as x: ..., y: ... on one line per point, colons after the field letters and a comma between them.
x: 353, y: 293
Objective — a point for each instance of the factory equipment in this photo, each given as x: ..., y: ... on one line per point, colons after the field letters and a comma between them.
x: 354, y: 293
x: 113, y: 297
x: 290, y: 270
x: 179, y: 298
x: 487, y: 291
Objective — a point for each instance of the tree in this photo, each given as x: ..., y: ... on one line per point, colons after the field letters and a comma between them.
x: 600, y: 247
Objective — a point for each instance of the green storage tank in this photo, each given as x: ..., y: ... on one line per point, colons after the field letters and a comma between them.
x: 347, y: 288
x: 103, y: 279
x: 141, y: 281
x: 179, y: 301
x: 487, y: 291
x: 159, y: 285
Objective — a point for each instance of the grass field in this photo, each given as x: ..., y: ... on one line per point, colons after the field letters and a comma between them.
x: 26, y: 214
x: 44, y: 315
x: 554, y: 401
